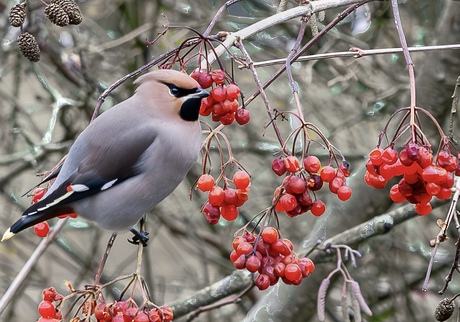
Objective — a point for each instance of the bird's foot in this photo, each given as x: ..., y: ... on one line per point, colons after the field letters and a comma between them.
x: 139, y: 237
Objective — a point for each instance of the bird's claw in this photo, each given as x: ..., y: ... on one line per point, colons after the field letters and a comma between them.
x: 139, y: 237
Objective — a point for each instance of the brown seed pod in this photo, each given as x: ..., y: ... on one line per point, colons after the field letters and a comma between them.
x: 29, y: 47
x: 57, y: 15
x: 17, y: 14
x: 72, y: 9
x: 444, y: 310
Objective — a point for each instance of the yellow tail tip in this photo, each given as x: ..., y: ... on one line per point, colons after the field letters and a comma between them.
x: 7, y: 235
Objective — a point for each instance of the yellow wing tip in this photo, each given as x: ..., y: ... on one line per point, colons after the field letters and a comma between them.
x: 7, y: 235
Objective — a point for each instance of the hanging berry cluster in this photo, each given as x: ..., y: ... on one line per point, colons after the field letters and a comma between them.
x: 42, y: 229
x: 122, y: 311
x: 50, y: 309
x: 421, y: 174
x: 59, y: 12
x: 294, y: 195
x: 224, y: 201
x: 222, y: 104
x: 271, y: 257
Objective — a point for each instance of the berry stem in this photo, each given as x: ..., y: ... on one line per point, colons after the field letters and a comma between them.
x: 292, y: 82
x: 410, y: 64
x: 110, y: 243
x: 262, y: 92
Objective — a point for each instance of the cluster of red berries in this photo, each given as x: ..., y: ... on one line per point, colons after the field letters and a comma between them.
x: 224, y: 201
x: 128, y: 311
x: 271, y: 256
x: 222, y: 104
x: 120, y: 311
x: 46, y: 308
x: 422, y: 176
x: 294, y: 195
x: 42, y: 229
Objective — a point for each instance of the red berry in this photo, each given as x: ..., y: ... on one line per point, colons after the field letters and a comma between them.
x: 195, y: 75
x: 327, y: 173
x: 211, y: 213
x: 216, y: 196
x: 262, y: 282
x: 280, y: 247
x: 206, y: 106
x: 412, y: 151
x: 46, y: 309
x: 229, y: 212
x: 244, y: 248
x: 37, y: 194
x: 219, y: 94
x: 279, y: 167
x: 242, y: 116
x: 315, y: 182
x: 424, y: 157
x: 389, y: 156
x: 306, y: 266
x: 205, y: 182
x: 376, y: 156
x: 227, y: 119
x: 292, y: 164
x: 292, y: 272
x: 432, y: 189
x: 141, y: 317
x: 231, y: 197
x: 205, y: 80
x: 312, y: 164
x: 269, y: 235
x: 218, y: 76
x: 230, y: 106
x: 344, y: 193
x: 396, y: 195
x: 318, y: 208
x: 50, y: 294
x: 119, y: 317
x: 233, y: 91
x: 288, y: 202
x: 241, y: 179
x: 253, y: 263
x: 423, y: 209
x: 42, y: 229
x: 295, y: 185
x: 344, y: 168
x: 101, y: 312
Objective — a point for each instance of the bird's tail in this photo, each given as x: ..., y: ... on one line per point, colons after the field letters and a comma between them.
x: 35, y: 214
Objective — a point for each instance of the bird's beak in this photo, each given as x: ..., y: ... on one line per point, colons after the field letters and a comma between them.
x: 200, y: 93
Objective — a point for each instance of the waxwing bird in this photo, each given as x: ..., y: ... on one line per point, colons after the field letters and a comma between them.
x: 128, y: 159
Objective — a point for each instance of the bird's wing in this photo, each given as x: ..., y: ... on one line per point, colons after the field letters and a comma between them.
x: 103, y: 166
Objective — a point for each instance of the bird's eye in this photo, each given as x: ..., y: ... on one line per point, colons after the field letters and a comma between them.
x: 174, y: 91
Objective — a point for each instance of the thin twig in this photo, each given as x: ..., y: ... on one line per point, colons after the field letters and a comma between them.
x: 29, y: 265
x: 356, y: 53
x: 97, y: 279
x: 453, y: 111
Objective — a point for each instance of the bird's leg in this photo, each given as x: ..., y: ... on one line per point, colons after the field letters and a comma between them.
x: 140, y: 236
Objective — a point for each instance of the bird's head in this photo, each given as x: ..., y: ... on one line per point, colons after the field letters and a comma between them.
x: 173, y: 93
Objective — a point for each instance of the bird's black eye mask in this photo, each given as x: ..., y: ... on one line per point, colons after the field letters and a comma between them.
x: 190, y: 108
x: 179, y: 92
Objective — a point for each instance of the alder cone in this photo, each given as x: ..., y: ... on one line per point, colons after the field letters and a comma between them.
x: 72, y: 9
x: 17, y: 14
x: 29, y: 47
x: 57, y: 15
